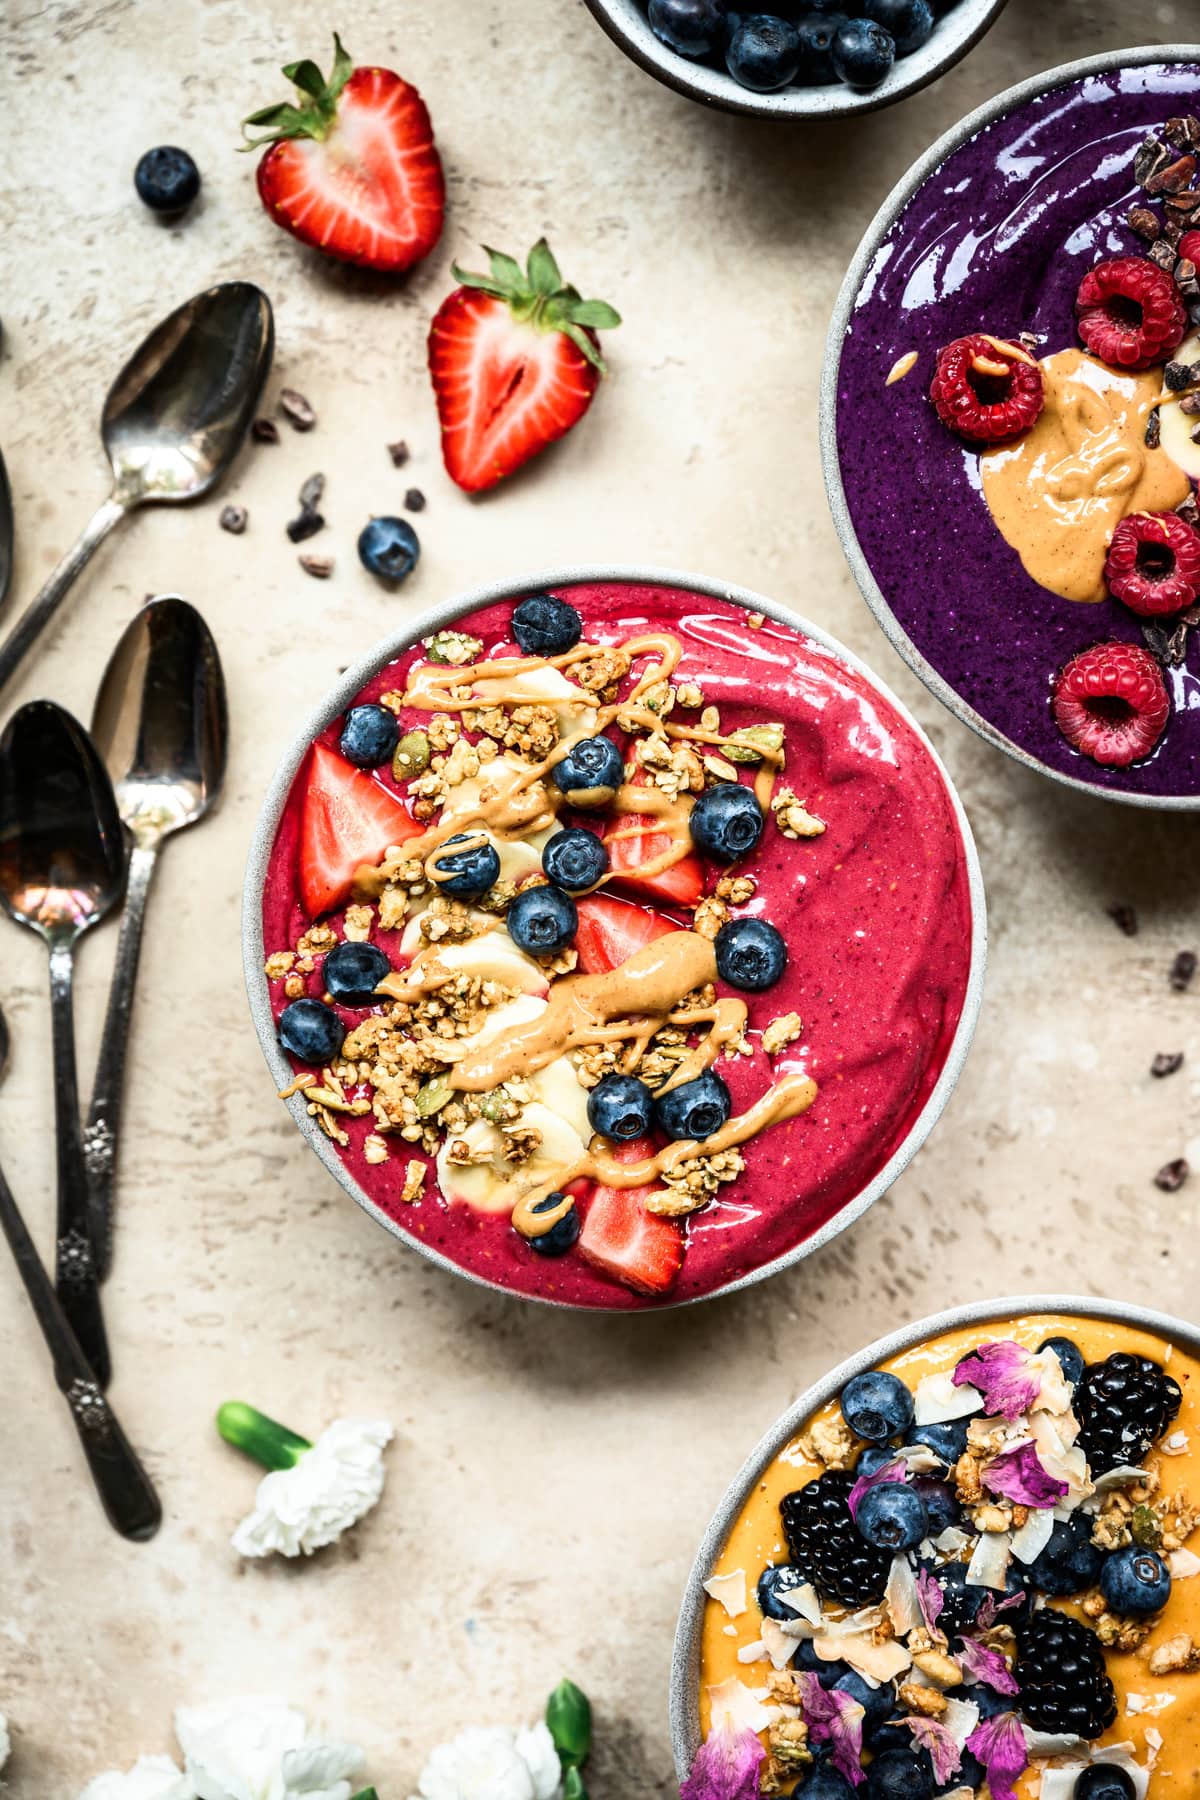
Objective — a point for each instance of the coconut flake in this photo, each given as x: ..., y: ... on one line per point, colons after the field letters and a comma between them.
x: 938, y: 1400
x: 1122, y: 1476
x: 1031, y: 1538
x: 1183, y: 1563
x: 1150, y: 1704
x: 752, y: 1653
x: 989, y: 1564
x: 1019, y: 1476
x: 726, y: 1766
x: 804, y: 1600
x: 999, y: 1743
x: 728, y: 1591
x: 735, y: 1707
x: 1004, y: 1373
x: 960, y: 1718
x: 778, y: 1645
x: 902, y: 1599
x: 952, y: 1542
x: 1058, y: 1782
x: 876, y: 1663
x: 1176, y: 1444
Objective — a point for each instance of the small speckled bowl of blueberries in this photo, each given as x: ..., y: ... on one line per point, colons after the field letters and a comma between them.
x: 807, y: 59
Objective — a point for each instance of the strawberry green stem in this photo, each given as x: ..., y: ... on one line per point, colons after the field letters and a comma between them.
x: 268, y: 1442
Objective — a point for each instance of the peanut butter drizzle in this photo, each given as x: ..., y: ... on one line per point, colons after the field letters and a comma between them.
x: 1057, y: 494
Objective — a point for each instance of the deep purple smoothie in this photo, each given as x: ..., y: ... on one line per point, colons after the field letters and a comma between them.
x: 998, y: 239
x: 876, y: 912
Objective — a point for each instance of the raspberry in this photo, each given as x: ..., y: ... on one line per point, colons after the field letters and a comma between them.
x: 1129, y: 312
x: 985, y: 390
x: 1153, y: 563
x: 1111, y: 702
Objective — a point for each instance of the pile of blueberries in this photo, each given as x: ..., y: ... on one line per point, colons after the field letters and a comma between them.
x: 813, y: 43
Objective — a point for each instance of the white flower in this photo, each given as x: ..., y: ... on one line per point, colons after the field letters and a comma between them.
x: 256, y: 1749
x: 300, y: 1510
x: 151, y: 1778
x: 493, y: 1763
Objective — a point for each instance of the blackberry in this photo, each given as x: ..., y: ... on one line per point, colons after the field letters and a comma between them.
x: 1123, y: 1405
x: 825, y: 1544
x: 1064, y: 1685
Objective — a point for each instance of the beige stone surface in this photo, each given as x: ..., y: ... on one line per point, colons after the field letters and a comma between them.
x: 551, y: 1473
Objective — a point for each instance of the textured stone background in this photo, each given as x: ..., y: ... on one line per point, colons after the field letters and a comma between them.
x: 551, y: 1474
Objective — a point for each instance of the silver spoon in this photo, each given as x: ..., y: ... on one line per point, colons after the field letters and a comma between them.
x: 7, y: 533
x: 172, y: 423
x: 122, y: 1483
x: 62, y: 867
x: 161, y: 725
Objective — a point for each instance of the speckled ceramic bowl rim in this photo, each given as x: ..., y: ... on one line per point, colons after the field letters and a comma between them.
x: 878, y: 229
x: 953, y: 36
x: 437, y: 619
x: 685, y: 1660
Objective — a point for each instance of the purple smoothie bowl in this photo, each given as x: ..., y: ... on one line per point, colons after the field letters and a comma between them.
x: 993, y: 230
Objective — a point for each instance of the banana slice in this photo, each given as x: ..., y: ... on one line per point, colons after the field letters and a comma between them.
x: 494, y: 957
x: 503, y: 1019
x: 545, y: 684
x: 557, y: 1087
x: 412, y: 940
x: 495, y: 1186
x: 519, y: 857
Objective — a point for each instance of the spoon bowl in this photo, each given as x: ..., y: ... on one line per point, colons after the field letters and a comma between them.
x: 7, y: 533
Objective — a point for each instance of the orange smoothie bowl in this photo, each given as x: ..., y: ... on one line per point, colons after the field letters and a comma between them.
x: 536, y: 1004
x: 964, y: 1563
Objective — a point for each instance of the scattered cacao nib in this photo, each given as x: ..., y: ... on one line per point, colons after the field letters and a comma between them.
x: 1195, y: 435
x: 1173, y: 178
x: 1028, y: 340
x: 233, y: 518
x: 1144, y: 222
x: 1194, y: 311
x: 1189, y: 511
x: 296, y: 409
x: 1177, y: 376
x: 1173, y: 226
x: 1166, y: 1063
x: 1124, y: 918
x: 305, y: 525
x: 1185, y: 203
x: 319, y: 566
x: 1183, y: 132
x: 414, y: 500
x: 1185, y: 270
x: 1191, y: 616
x: 1190, y: 403
x: 1163, y: 253
x: 1153, y: 429
x: 1189, y: 289
x: 1172, y: 1175
x: 1182, y: 970
x: 265, y: 431
x: 310, y: 493
x: 399, y: 453
x: 1170, y: 647
x: 1149, y: 158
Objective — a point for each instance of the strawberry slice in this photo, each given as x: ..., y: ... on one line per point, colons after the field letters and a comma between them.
x: 680, y: 883
x: 351, y: 168
x: 611, y: 930
x: 514, y: 360
x: 349, y: 819
x: 637, y: 1248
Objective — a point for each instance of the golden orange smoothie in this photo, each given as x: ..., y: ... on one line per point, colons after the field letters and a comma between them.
x: 1151, y: 1657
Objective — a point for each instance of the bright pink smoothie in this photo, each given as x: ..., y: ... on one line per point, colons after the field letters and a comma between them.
x: 875, y: 911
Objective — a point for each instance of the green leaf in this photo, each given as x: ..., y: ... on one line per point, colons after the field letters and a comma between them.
x: 582, y: 343
x: 486, y: 284
x: 365, y: 1794
x: 307, y: 77
x: 569, y: 1718
x: 544, y: 277
x: 268, y: 1442
x: 507, y: 271
x: 342, y: 70
x: 573, y: 1788
x: 596, y: 313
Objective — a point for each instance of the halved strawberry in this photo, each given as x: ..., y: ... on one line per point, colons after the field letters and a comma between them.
x: 352, y: 169
x: 611, y: 930
x: 349, y: 819
x: 637, y: 1248
x: 514, y: 360
x: 680, y: 882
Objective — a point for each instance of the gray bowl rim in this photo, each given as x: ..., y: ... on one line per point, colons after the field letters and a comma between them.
x: 685, y: 1657
x: 447, y: 613
x: 881, y: 224
x: 712, y: 87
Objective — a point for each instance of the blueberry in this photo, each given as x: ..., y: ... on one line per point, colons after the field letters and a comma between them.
x: 777, y: 1579
x: 311, y: 1031
x: 369, y: 736
x: 908, y: 22
x: 1135, y: 1581
x: 695, y: 1109
x: 824, y: 1783
x: 990, y: 1703
x: 878, y: 1703
x: 590, y: 773
x: 726, y: 821
x: 1103, y: 1781
x: 941, y: 1504
x: 899, y: 1775
x: 827, y: 1673
x: 544, y: 625
x: 542, y: 920
x: 817, y: 32
x: 574, y: 860
x: 352, y: 972
x: 1069, y: 1355
x: 167, y: 179
x: 751, y: 954
x: 961, y: 1600
x: 1070, y: 1561
x: 877, y: 1406
x: 863, y: 52
x: 969, y: 1774
x: 948, y: 1441
x: 560, y: 1237
x: 389, y: 548
x: 763, y: 52
x: 620, y: 1107
x: 693, y: 27
x: 874, y: 1458
x: 471, y: 872
x: 892, y: 1516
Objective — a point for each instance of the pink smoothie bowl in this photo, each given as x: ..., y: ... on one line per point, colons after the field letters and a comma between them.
x: 723, y: 1253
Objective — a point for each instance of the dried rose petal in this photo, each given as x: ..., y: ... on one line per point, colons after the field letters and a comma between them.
x: 940, y: 1742
x: 987, y: 1665
x: 1019, y: 1476
x: 991, y: 1609
x: 726, y: 1766
x: 833, y: 1717
x: 931, y: 1597
x: 999, y: 1744
x: 1003, y: 1376
x: 893, y: 1471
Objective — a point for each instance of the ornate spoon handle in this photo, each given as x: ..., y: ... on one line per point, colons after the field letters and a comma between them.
x: 75, y: 1262
x: 45, y: 604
